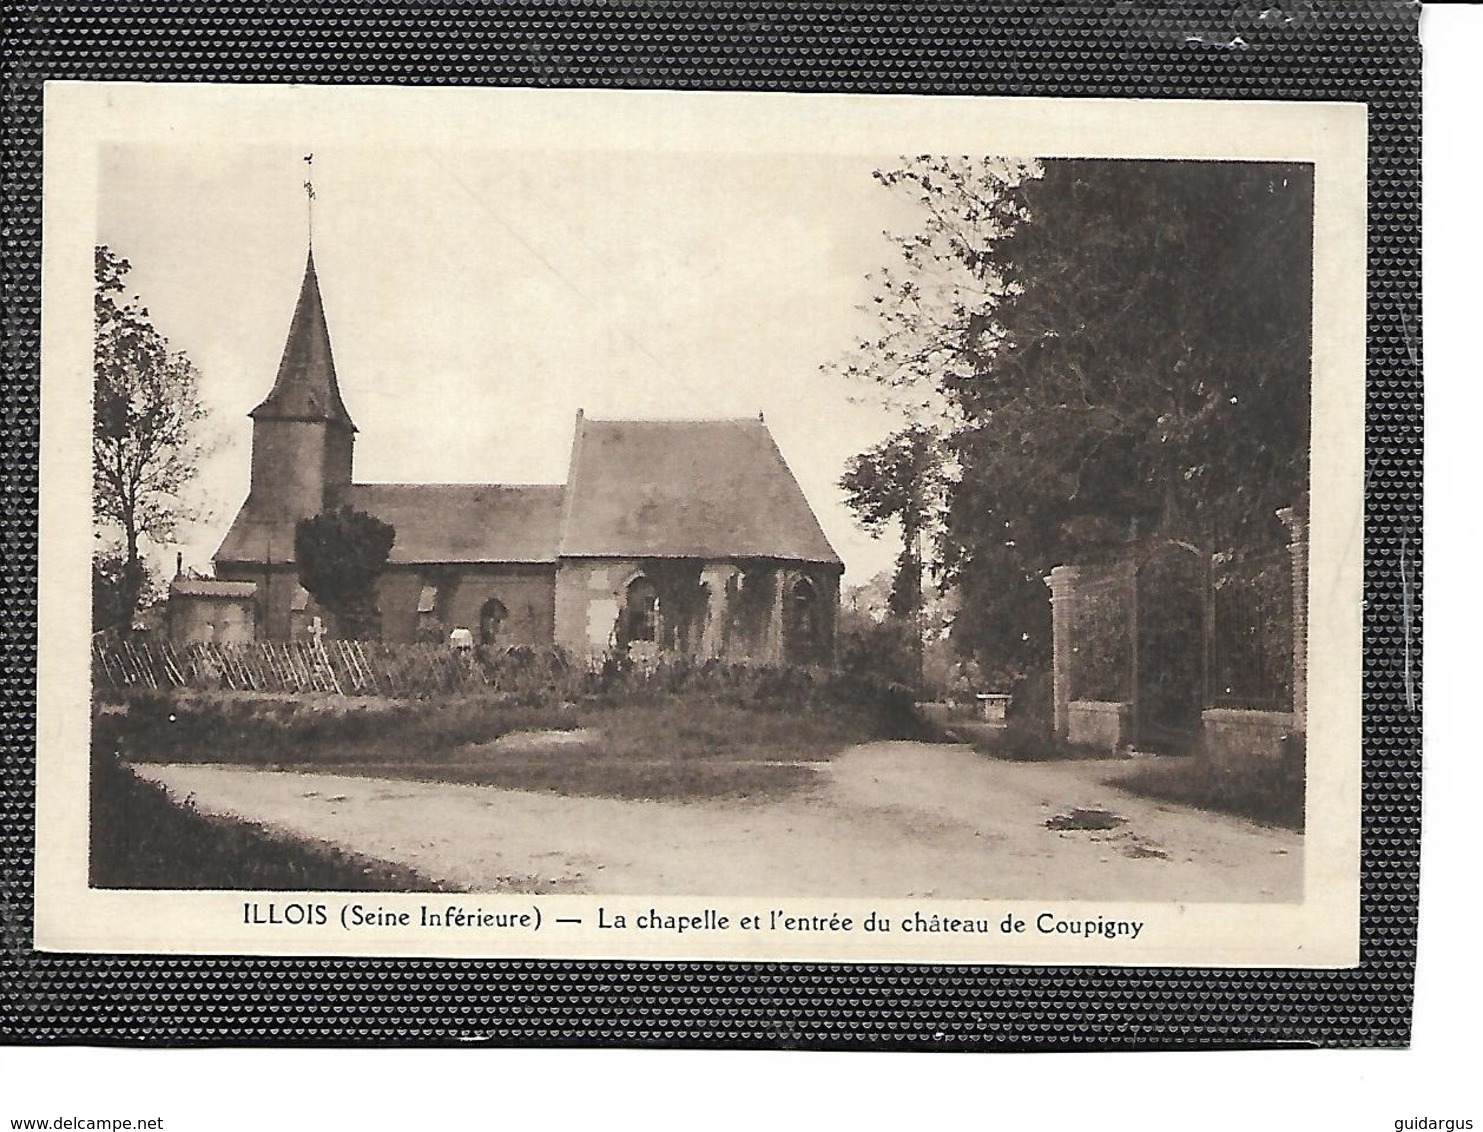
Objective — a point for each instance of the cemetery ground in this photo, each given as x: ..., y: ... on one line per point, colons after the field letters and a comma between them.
x: 680, y: 794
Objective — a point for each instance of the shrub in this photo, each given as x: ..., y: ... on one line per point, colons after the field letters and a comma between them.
x: 265, y: 729
x: 341, y: 553
x: 888, y: 710
x: 881, y: 651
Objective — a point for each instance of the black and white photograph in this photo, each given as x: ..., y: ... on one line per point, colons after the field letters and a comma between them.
x: 660, y: 549
x: 720, y: 525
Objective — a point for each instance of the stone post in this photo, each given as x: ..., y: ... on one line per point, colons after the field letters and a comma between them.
x: 1297, y: 544
x: 717, y: 579
x: 777, y: 648
x: 1062, y: 583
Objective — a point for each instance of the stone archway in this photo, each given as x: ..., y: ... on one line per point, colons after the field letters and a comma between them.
x: 639, y: 620
x: 802, y: 623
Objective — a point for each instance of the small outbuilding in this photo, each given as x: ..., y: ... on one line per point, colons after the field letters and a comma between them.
x: 206, y: 610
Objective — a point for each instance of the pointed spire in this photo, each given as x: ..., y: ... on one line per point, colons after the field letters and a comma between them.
x: 309, y: 196
x: 306, y: 388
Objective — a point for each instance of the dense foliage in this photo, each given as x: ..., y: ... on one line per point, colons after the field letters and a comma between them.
x: 1115, y: 350
x: 118, y: 589
x: 341, y: 553
x: 886, y: 650
x: 900, y: 480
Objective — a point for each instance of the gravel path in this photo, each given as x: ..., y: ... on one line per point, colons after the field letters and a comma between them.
x: 889, y: 820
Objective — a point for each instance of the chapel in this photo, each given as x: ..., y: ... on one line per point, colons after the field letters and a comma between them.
x: 686, y: 536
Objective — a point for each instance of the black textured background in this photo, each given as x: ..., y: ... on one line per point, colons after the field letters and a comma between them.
x: 1280, y: 49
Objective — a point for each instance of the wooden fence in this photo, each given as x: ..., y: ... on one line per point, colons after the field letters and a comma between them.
x: 353, y: 668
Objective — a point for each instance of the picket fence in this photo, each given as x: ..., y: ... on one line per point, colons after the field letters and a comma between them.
x: 354, y: 668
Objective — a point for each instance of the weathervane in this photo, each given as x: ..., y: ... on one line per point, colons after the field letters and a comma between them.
x: 309, y: 192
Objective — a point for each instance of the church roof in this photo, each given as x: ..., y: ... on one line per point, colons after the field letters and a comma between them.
x: 256, y: 537
x: 434, y: 523
x: 306, y: 388
x: 466, y: 522
x: 713, y: 489
x: 686, y: 489
x: 637, y: 489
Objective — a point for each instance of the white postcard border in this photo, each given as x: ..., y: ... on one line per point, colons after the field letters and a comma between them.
x: 1322, y: 931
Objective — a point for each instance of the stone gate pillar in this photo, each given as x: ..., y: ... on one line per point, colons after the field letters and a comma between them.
x: 1297, y: 545
x: 1062, y: 583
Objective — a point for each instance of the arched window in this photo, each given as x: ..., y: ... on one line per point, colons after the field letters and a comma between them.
x: 801, y: 623
x: 492, y: 616
x: 641, y: 612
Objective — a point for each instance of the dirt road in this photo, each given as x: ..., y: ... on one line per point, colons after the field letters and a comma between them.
x: 888, y: 820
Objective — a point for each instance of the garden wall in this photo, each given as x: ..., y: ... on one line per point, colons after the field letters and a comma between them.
x: 1099, y: 723
x: 1240, y: 739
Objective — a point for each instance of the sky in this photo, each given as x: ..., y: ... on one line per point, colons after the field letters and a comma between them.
x: 477, y: 298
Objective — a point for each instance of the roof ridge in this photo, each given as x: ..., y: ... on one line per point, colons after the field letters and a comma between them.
x: 677, y: 420
x: 450, y: 483
x: 788, y: 468
x: 573, y: 460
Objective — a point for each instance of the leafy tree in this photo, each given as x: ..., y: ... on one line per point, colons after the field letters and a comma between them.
x: 1123, y: 353
x: 914, y: 653
x: 935, y: 329
x: 1150, y: 369
x: 147, y: 414
x: 900, y: 480
x: 117, y: 590
x: 340, y: 554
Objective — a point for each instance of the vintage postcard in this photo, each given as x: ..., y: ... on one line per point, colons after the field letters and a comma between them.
x: 606, y: 524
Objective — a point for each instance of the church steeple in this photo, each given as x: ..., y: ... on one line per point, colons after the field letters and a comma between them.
x: 306, y: 388
x: 303, y: 439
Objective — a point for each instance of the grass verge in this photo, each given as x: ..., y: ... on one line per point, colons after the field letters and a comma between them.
x: 675, y: 750
x: 667, y: 746
x: 1270, y: 793
x: 143, y: 838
